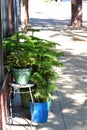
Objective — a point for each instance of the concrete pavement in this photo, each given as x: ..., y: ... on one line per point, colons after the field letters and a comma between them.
x: 69, y: 109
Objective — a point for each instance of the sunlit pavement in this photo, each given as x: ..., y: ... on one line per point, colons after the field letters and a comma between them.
x: 69, y: 109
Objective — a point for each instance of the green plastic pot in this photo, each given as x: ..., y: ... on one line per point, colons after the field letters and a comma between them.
x: 21, y: 76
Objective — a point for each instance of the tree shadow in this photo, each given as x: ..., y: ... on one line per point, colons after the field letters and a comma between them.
x: 73, y: 90
x: 48, y: 23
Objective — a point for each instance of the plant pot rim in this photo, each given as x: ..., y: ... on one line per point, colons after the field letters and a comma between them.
x: 40, y: 102
x: 29, y: 68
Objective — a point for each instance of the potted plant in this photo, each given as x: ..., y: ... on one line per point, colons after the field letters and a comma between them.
x: 44, y: 76
x: 19, y: 57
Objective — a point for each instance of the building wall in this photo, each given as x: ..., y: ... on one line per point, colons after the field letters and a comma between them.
x: 9, y: 16
x: 8, y: 23
x: 4, y: 17
x: 4, y: 103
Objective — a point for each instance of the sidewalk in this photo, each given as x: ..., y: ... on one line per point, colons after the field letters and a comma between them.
x: 69, y: 109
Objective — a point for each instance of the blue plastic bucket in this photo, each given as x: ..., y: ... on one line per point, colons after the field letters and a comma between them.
x: 39, y: 112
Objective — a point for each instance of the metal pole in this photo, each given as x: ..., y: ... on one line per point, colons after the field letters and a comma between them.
x: 1, y: 50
